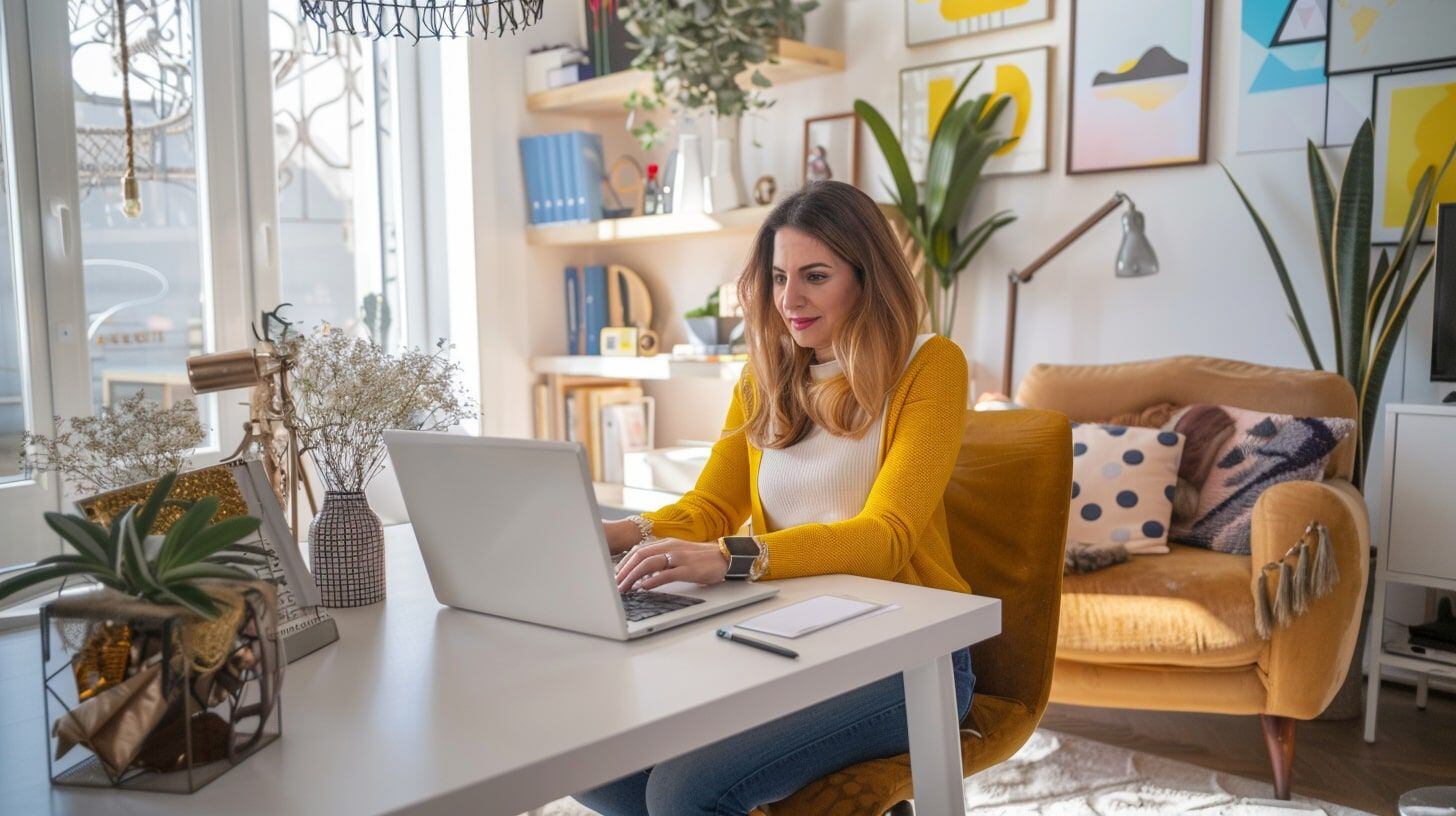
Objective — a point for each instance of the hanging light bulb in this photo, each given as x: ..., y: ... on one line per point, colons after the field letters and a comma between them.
x: 131, y: 204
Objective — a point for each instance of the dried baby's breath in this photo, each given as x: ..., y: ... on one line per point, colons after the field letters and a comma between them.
x: 346, y: 392
x: 131, y: 441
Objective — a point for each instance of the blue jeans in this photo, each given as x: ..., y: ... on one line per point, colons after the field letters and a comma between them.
x: 771, y: 762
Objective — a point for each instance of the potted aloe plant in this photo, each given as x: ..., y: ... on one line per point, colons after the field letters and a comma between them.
x: 962, y: 143
x: 174, y: 654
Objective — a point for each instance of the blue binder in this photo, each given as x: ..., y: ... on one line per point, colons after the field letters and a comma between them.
x: 570, y: 181
x: 531, y: 174
x: 573, y: 312
x: 595, y: 308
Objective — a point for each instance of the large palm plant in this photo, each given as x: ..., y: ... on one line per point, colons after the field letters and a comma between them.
x: 959, y: 149
x: 1364, y: 338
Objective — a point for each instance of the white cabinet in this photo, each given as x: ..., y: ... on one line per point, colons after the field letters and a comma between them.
x: 1417, y: 539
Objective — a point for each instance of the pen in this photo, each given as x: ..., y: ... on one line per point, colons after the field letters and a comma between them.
x: 757, y: 644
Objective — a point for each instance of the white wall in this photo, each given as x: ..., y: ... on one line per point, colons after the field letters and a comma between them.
x: 1217, y: 294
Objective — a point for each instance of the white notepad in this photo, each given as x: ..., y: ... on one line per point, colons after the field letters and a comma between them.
x: 809, y: 615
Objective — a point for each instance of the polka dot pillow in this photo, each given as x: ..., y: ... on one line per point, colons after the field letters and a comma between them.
x: 1123, y: 485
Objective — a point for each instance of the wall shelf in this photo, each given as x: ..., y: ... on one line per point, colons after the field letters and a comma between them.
x: 646, y: 228
x: 605, y: 95
x: 660, y: 367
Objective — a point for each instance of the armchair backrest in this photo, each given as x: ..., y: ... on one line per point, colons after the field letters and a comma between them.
x: 1092, y: 393
x: 1006, y: 508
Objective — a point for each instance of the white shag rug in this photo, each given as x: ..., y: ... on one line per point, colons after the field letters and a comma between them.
x: 1060, y: 774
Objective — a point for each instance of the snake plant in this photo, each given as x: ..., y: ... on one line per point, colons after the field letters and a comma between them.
x: 192, y: 550
x: 962, y: 143
x: 1364, y: 338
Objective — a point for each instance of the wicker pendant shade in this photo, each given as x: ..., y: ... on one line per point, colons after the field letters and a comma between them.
x: 419, y: 19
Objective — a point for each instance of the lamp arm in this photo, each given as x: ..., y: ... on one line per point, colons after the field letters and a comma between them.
x: 1071, y: 237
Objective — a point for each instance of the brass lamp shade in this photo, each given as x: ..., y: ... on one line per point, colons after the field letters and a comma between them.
x: 228, y: 369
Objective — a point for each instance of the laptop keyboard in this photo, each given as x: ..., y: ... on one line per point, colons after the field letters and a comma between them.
x: 645, y: 603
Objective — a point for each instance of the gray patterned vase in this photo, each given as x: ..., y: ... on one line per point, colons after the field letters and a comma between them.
x: 346, y: 550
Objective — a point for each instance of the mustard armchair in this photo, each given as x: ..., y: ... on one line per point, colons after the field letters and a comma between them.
x: 1176, y: 632
x: 1006, y: 505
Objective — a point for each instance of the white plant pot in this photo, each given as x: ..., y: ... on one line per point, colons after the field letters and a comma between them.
x: 687, y: 176
x: 724, y: 182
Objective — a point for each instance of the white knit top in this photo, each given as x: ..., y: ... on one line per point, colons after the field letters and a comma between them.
x: 822, y: 478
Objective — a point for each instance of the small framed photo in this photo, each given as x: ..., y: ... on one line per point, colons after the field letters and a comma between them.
x: 831, y: 148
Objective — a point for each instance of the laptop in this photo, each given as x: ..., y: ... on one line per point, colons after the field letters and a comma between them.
x: 510, y: 527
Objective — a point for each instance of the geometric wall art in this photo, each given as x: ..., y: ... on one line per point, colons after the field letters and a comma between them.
x: 928, y: 21
x: 1138, y: 95
x: 1285, y: 98
x: 1415, y: 127
x: 925, y: 91
x: 1368, y: 34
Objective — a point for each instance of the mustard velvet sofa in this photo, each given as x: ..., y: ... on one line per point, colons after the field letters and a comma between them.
x: 1006, y: 506
x: 1176, y: 632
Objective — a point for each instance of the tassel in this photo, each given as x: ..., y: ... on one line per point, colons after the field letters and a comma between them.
x: 1263, y: 618
x: 1302, y: 589
x: 1324, y: 573
x: 1284, y: 595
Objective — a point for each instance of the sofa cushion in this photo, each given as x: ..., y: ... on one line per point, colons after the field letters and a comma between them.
x: 1191, y: 607
x: 1123, y: 486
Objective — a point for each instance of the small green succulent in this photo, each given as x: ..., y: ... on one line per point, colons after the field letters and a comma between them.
x: 192, y: 550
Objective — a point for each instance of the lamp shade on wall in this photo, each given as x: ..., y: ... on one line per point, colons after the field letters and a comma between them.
x: 1135, y: 258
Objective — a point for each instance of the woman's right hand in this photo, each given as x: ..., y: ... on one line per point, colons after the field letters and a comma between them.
x: 622, y: 535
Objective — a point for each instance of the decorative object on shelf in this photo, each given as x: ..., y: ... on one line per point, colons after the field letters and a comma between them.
x: 708, y: 327
x: 963, y: 142
x: 627, y: 197
x: 687, y: 172
x: 933, y: 22
x: 652, y: 201
x: 1138, y: 94
x: 564, y: 175
x: 831, y: 145
x: 126, y: 442
x: 423, y: 19
x: 265, y: 370
x: 1415, y: 124
x: 1367, y: 36
x: 1135, y: 259
x: 1363, y: 339
x: 608, y: 45
x: 544, y: 59
x: 1307, y: 571
x: 346, y: 393
x: 619, y: 341
x: 242, y: 488
x: 696, y: 51
x: 1023, y: 76
x: 723, y: 186
x: 174, y: 658
x: 764, y: 190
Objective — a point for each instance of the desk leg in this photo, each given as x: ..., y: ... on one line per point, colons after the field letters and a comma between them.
x: 935, y: 739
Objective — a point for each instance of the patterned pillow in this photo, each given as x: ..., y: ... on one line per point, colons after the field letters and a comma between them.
x: 1123, y: 486
x: 1261, y: 450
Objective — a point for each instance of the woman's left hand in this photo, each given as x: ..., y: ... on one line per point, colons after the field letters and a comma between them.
x: 670, y: 559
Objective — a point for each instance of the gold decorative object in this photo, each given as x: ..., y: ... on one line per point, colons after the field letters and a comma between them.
x: 102, y: 660
x: 764, y: 190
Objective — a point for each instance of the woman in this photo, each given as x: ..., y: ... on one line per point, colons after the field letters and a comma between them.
x: 839, y: 443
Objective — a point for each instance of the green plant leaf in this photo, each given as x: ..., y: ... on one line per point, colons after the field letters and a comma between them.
x: 941, y: 165
x: 216, y: 538
x: 1280, y: 270
x: 184, y: 529
x: 1374, y: 380
x: 1351, y: 253
x: 88, y: 538
x: 1415, y: 224
x: 906, y: 197
x: 136, y: 558
x: 160, y: 492
x: 191, y: 597
x: 193, y: 572
x: 235, y: 560
x: 1322, y: 196
x: 977, y: 238
x: 39, y: 575
x: 1384, y: 277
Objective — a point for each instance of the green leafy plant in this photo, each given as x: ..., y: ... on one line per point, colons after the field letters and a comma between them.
x: 192, y: 550
x: 1364, y: 339
x: 708, y: 309
x: 962, y: 143
x: 696, y: 49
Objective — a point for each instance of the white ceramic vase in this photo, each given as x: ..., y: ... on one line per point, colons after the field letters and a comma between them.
x: 724, y: 183
x: 687, y: 176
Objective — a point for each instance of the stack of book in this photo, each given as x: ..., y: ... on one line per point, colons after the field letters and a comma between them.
x: 563, y: 174
x: 610, y: 420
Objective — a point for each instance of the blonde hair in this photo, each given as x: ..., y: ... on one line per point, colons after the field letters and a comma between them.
x: 781, y: 399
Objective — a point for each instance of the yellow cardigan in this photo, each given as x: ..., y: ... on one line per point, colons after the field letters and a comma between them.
x: 900, y: 535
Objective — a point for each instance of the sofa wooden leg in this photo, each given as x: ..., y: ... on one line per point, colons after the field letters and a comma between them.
x: 1279, y: 738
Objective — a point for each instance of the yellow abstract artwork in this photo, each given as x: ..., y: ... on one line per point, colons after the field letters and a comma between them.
x: 1012, y: 81
x: 1422, y: 128
x: 953, y: 10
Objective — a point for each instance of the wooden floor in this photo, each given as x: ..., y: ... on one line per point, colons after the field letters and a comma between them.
x: 1332, y: 761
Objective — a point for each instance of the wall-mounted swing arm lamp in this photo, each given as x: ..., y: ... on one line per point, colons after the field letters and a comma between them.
x: 1135, y: 259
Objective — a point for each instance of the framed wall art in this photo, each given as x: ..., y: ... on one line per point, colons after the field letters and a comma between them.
x: 1415, y: 126
x: 928, y: 21
x: 831, y: 148
x: 1369, y: 34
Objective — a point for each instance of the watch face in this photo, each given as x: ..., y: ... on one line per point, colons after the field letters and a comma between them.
x: 741, y: 545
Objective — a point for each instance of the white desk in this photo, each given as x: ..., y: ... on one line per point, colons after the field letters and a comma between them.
x: 426, y: 710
